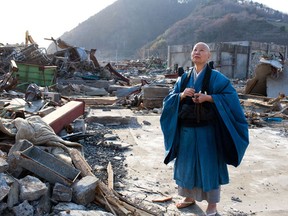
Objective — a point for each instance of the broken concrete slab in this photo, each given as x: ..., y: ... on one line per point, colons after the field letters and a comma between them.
x: 84, y: 213
x: 31, y: 188
x: 123, y: 92
x: 23, y: 209
x: 3, y: 207
x: 278, y: 85
x: 84, y: 190
x: 13, y: 196
x: 4, y: 188
x: 61, y: 193
x: 67, y: 206
x: 3, y: 165
x: 153, y: 96
x: 92, y: 91
x: 150, y: 91
x: 53, y: 96
x: 42, y: 206
x: 97, y: 100
x: 110, y: 117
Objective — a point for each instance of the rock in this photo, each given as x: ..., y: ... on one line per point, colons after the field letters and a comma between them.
x: 14, y: 157
x: 4, y: 188
x: 43, y: 205
x: 62, y: 193
x: 23, y: 209
x: 13, y: 196
x: 3, y: 207
x: 84, y: 213
x: 65, y: 206
x: 84, y: 190
x: 3, y: 165
x: 31, y: 188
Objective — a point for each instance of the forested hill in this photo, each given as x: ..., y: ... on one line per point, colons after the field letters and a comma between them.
x: 129, y: 26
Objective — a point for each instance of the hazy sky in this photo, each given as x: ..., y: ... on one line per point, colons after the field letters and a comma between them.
x: 46, y: 19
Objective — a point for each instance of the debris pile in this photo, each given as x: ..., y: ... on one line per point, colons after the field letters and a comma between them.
x: 42, y: 173
x: 42, y: 170
x: 269, y: 66
x: 45, y: 148
x: 270, y: 78
x: 262, y: 111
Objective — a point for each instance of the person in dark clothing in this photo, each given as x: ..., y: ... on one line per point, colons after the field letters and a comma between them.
x: 198, y: 146
x: 180, y: 71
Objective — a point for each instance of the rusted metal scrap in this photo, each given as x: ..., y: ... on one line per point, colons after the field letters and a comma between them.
x: 9, y: 82
x: 62, y: 44
x: 118, y: 75
x: 28, y: 54
x: 47, y: 166
x: 72, y: 59
x: 5, y: 53
x: 93, y: 58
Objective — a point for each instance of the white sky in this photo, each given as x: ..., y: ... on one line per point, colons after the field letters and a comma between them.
x: 46, y: 19
x: 280, y: 5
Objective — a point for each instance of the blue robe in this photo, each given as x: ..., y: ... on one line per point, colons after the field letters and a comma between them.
x: 202, y: 153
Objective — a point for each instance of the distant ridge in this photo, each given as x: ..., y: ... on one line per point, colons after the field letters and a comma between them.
x: 128, y: 28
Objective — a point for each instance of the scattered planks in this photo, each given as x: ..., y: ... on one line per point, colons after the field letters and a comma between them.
x: 117, y: 204
x: 80, y: 163
x: 105, y: 196
x: 265, y: 106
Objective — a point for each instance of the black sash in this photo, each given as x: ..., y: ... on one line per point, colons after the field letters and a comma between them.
x: 196, y: 114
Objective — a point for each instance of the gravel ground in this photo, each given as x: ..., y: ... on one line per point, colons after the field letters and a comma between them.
x: 102, y: 148
x: 136, y: 153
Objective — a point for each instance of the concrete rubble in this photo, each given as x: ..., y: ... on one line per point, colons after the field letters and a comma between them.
x: 43, y: 169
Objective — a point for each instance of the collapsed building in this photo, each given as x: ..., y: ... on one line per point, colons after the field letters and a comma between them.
x: 269, y: 67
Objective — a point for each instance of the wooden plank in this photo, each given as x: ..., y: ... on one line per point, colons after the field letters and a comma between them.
x: 80, y: 163
x: 97, y: 100
x: 110, y: 176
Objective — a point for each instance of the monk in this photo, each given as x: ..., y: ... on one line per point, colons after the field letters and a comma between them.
x: 204, y: 130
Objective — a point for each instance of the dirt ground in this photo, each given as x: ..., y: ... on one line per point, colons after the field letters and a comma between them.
x: 259, y: 186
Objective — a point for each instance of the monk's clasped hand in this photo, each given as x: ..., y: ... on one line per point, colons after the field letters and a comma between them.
x: 200, y: 97
x: 188, y: 92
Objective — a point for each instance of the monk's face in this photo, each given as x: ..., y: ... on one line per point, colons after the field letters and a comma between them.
x: 200, y: 53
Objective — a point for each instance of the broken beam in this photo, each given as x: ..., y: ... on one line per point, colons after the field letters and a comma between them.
x: 113, y: 71
x: 64, y: 115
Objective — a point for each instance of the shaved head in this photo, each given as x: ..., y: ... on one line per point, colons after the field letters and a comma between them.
x: 203, y: 45
x: 200, y: 55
